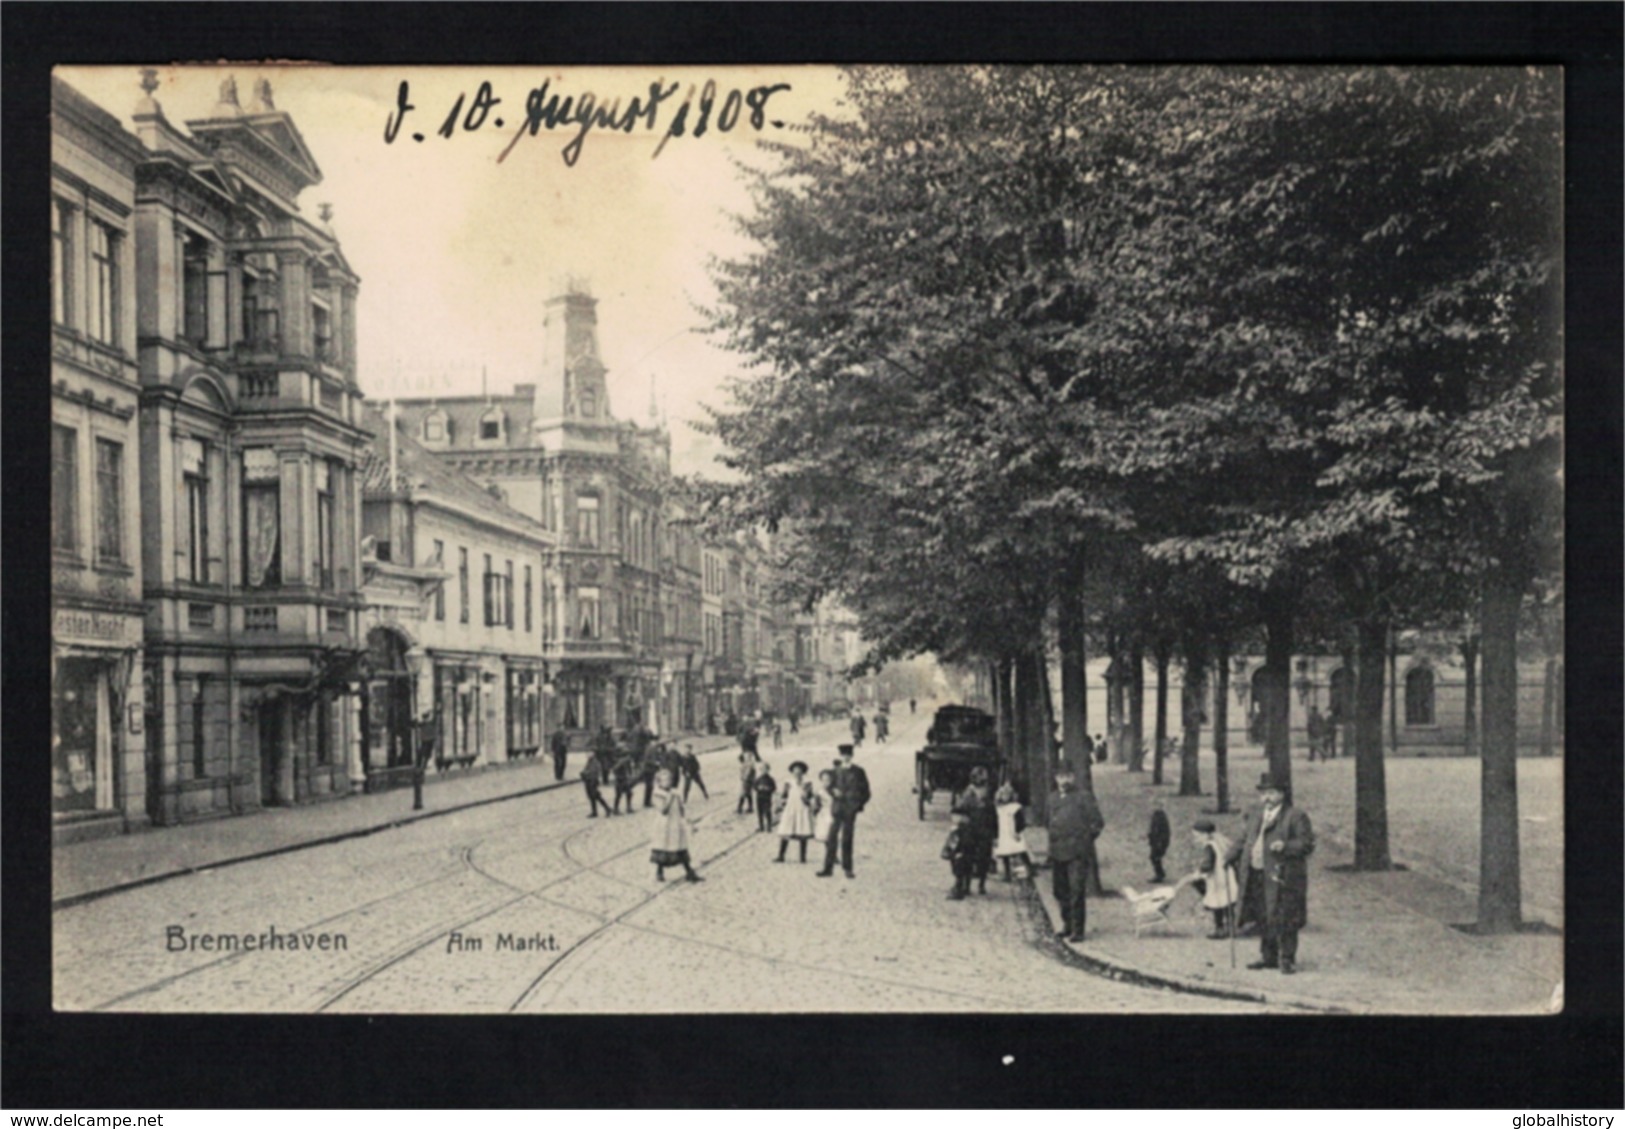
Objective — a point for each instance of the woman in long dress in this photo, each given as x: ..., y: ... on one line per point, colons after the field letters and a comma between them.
x: 795, y: 804
x: 669, y: 846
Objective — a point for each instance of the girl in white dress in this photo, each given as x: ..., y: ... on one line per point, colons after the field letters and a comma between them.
x: 795, y: 810
x: 1011, y: 849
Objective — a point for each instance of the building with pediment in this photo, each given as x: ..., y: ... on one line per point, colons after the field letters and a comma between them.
x: 250, y: 445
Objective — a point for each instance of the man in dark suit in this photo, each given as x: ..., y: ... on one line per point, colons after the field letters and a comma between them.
x: 849, y: 794
x: 1074, y: 823
x: 1272, y: 854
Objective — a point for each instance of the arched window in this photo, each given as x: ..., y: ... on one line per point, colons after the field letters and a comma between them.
x: 491, y: 425
x: 435, y: 428
x: 1419, y: 696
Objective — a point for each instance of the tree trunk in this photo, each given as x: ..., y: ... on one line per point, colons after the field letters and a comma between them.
x: 1548, y: 710
x: 1191, y: 703
x: 1276, y: 686
x: 1074, y: 714
x: 1370, y: 784
x: 1163, y: 653
x: 1136, y: 708
x: 1221, y: 729
x: 1393, y: 689
x: 1114, y: 700
x: 1469, y: 720
x: 1029, y: 713
x: 1499, y: 895
x: 999, y: 684
x: 1046, y: 714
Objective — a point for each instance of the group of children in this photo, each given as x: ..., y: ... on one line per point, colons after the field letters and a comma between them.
x: 975, y: 842
x: 798, y: 810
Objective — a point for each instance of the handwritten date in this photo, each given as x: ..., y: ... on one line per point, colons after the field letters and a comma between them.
x: 702, y: 108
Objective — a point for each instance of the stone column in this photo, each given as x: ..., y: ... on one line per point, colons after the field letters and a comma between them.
x: 293, y: 273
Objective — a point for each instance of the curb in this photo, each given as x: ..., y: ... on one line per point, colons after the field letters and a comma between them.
x: 84, y: 896
x: 1122, y: 971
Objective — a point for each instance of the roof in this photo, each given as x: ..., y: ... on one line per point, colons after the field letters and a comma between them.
x: 417, y: 469
x: 464, y: 412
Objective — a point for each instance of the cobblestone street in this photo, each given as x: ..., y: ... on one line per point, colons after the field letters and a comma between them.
x: 527, y: 906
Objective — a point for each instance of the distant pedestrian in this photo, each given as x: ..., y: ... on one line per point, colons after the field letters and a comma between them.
x: 858, y: 726
x: 794, y: 810
x: 795, y: 721
x: 849, y: 790
x: 691, y: 772
x: 778, y: 735
x: 1074, y: 824
x: 748, y: 762
x: 960, y: 852
x: 1315, y: 730
x: 1159, y: 835
x: 669, y: 844
x: 625, y: 776
x: 882, y: 727
x: 1011, y: 848
x: 560, y: 748
x: 1220, y: 887
x: 911, y: 705
x: 1100, y: 748
x: 592, y: 779
x: 1275, y: 846
x: 765, y: 786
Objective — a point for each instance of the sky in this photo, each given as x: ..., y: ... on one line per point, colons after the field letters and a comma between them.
x: 458, y: 252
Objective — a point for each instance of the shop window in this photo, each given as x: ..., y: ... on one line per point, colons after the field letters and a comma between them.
x: 104, y: 283
x: 64, y: 488
x: 76, y: 691
x: 62, y: 272
x: 262, y: 520
x: 109, y: 501
x: 1419, y: 696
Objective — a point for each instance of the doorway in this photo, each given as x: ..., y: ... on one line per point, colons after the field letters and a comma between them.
x: 271, y: 751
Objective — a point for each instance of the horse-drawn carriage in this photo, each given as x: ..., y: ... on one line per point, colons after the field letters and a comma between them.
x: 960, y: 738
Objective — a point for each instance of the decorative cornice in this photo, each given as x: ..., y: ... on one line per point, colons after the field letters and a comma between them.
x: 102, y: 199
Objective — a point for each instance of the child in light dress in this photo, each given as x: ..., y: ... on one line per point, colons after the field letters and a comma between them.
x: 1011, y: 848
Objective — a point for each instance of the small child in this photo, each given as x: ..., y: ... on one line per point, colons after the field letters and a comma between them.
x: 1219, y: 886
x: 959, y: 853
x: 1159, y: 835
x: 765, y: 787
x: 1011, y: 848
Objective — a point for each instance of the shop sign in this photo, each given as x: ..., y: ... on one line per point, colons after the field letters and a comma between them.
x: 102, y: 628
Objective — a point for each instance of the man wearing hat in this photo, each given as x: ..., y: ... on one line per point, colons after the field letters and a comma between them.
x: 1272, y: 855
x: 849, y: 793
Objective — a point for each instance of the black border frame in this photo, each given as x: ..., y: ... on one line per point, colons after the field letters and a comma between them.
x: 1564, y: 1062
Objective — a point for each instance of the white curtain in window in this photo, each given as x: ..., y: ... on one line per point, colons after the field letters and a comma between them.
x: 263, y: 530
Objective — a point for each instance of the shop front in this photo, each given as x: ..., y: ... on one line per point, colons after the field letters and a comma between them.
x: 98, y: 772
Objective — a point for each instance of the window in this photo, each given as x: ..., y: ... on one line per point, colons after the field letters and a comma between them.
x: 462, y: 585
x: 262, y: 519
x: 200, y: 752
x: 440, y: 589
x: 324, y: 729
x: 195, y: 476
x: 491, y: 602
x: 62, y: 263
x: 322, y: 333
x: 195, y: 291
x: 491, y: 425
x: 587, y: 598
x: 587, y: 520
x: 104, y: 311
x: 109, y: 501
x: 1419, y: 696
x: 261, y: 321
x: 527, y: 600
x: 324, y: 525
x: 434, y: 428
x: 507, y: 597
x: 64, y: 488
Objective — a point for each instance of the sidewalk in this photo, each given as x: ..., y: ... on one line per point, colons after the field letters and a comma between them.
x: 1381, y: 943
x: 81, y: 871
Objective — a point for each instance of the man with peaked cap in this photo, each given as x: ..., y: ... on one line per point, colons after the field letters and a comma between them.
x: 849, y: 793
x: 1273, y: 855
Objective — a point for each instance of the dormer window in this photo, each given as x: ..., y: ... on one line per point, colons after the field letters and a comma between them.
x: 435, y: 429
x: 491, y: 426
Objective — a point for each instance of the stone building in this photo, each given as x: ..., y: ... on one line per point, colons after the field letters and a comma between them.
x: 597, y: 483
x: 250, y: 439
x: 453, y: 579
x: 99, y: 778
